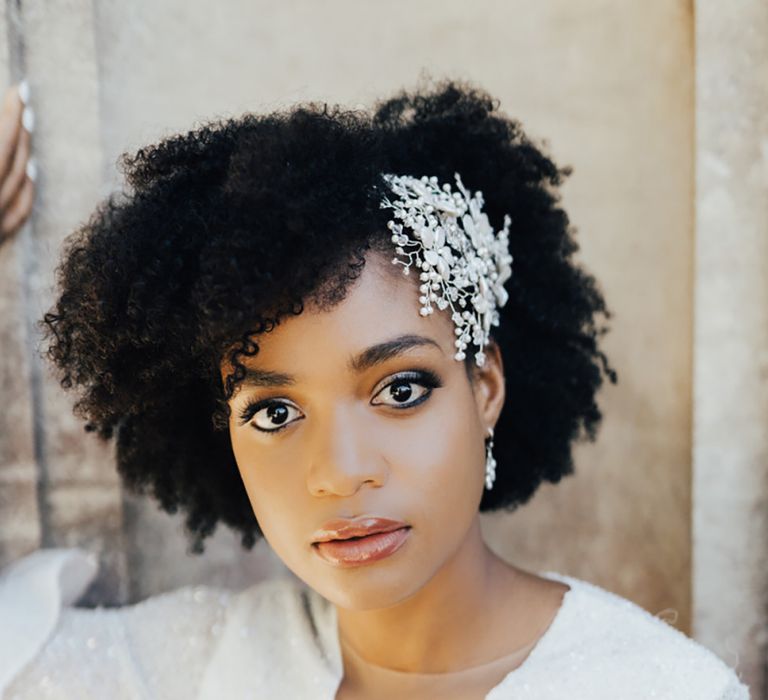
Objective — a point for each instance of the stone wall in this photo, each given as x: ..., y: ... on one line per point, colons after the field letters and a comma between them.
x: 730, y: 485
x: 667, y: 508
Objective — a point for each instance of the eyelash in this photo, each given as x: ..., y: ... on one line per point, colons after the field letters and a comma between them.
x: 424, y: 377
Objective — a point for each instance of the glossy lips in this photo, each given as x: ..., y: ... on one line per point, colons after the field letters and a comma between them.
x: 363, y: 550
x: 360, y: 541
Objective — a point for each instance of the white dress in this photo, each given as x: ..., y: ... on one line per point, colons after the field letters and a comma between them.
x: 278, y: 640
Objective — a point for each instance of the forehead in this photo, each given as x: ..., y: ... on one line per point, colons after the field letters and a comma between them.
x: 380, y: 305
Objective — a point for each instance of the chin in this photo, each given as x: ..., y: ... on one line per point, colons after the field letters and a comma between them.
x: 368, y: 587
x: 368, y: 596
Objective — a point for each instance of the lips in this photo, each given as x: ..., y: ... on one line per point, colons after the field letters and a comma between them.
x: 360, y: 551
x: 345, y: 529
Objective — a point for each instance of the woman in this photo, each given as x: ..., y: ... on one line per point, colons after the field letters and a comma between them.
x: 328, y: 328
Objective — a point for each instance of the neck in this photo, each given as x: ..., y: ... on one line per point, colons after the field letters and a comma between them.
x: 447, y: 624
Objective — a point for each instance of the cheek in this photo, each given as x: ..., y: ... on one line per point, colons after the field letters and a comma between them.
x: 438, y: 463
x: 269, y: 484
x: 434, y: 451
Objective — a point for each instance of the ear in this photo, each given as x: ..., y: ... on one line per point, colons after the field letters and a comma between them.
x: 488, y: 386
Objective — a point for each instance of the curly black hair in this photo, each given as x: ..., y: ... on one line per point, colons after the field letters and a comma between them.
x: 227, y: 229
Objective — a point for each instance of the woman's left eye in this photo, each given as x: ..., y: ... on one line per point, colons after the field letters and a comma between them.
x: 401, y: 390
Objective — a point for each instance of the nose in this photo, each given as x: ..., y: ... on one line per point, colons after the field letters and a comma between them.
x: 342, y: 457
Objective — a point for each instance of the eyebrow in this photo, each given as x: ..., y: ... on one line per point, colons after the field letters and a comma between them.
x: 371, y: 356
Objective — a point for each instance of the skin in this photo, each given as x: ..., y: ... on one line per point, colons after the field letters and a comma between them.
x: 16, y: 188
x: 444, y: 601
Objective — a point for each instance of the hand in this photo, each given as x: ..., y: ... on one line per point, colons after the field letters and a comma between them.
x: 16, y: 172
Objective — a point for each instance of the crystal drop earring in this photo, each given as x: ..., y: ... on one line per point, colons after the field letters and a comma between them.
x: 490, y: 462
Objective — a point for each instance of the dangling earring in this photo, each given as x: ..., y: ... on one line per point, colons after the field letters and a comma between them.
x: 490, y: 462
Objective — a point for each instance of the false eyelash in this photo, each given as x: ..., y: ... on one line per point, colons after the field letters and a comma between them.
x: 425, y: 377
x: 253, y: 407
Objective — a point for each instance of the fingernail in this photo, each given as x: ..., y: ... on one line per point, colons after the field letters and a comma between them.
x: 32, y: 169
x: 28, y: 119
x: 24, y: 91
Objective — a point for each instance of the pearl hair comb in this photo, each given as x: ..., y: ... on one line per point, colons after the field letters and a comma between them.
x: 463, y: 263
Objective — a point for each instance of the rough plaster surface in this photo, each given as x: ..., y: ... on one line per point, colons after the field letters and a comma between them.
x: 730, y: 482
x: 78, y: 492
x: 20, y: 523
x: 610, y: 88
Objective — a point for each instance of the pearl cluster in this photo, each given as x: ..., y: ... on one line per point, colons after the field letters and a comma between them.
x: 463, y: 263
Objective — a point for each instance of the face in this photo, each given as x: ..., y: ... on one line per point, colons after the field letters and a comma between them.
x: 333, y: 427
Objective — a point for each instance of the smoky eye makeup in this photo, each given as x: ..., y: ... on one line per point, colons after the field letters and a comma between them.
x: 423, y: 377
x: 280, y: 408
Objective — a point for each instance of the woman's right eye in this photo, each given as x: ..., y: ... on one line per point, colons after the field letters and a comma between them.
x: 269, y: 417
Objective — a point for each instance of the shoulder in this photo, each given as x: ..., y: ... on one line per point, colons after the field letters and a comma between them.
x: 116, y: 651
x: 599, y: 629
x: 273, y: 601
x: 284, y: 633
x: 276, y: 611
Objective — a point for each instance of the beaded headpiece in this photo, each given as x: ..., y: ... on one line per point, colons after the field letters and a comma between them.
x: 464, y: 263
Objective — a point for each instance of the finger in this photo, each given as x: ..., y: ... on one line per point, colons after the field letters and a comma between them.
x: 19, y: 210
x: 10, y: 126
x: 14, y: 179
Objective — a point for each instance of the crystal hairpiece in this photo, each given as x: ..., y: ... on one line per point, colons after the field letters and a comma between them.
x: 463, y: 263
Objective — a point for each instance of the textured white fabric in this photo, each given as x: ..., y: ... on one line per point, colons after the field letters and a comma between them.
x: 278, y: 640
x: 32, y: 592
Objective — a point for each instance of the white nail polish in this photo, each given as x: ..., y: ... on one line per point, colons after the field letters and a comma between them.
x: 24, y: 91
x: 28, y: 119
x: 32, y: 169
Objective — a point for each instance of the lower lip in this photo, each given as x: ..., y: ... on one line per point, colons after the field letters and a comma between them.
x: 364, y: 550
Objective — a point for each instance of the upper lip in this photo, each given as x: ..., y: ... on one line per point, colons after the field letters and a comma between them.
x: 342, y: 528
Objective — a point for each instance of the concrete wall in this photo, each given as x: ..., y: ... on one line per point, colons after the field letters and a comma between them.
x: 730, y: 485
x: 610, y: 87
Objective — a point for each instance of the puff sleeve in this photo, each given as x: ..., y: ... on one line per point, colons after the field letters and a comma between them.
x: 158, y: 647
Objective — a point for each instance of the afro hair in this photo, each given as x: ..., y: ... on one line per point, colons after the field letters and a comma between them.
x: 230, y: 227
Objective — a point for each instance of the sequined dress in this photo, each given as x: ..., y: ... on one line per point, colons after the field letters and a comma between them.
x: 278, y: 640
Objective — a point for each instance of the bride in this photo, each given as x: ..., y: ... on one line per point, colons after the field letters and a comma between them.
x: 349, y: 333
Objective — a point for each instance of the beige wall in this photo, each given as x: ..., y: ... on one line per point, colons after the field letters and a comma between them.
x: 731, y: 371
x: 610, y: 86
